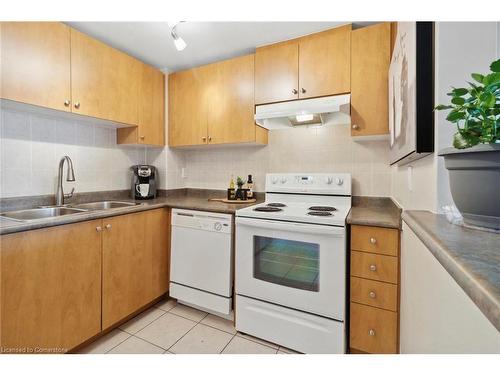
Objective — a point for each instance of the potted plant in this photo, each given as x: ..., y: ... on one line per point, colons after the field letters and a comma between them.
x: 474, y: 160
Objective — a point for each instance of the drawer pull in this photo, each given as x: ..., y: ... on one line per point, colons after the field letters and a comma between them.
x: 98, y: 229
x: 372, y: 294
x: 373, y: 240
x: 108, y: 226
x: 373, y: 267
x: 371, y: 332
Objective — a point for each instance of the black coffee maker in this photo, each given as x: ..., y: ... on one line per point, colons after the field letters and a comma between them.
x: 144, y: 182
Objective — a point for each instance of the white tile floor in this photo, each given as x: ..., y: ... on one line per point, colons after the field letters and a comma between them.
x: 172, y: 328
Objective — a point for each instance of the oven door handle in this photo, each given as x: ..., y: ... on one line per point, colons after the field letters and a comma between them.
x: 291, y: 227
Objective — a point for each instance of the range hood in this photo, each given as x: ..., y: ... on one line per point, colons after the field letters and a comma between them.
x: 319, y: 111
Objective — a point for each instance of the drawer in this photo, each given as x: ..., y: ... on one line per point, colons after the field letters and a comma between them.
x: 374, y: 293
x: 376, y: 240
x: 373, y: 330
x: 374, y: 267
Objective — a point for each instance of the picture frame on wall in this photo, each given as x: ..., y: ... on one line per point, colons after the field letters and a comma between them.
x: 411, y: 92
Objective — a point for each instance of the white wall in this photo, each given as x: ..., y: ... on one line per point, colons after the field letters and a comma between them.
x: 436, y: 314
x: 320, y: 149
x: 461, y: 48
x: 32, y: 145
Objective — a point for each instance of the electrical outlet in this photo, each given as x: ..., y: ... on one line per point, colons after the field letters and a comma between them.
x: 410, y: 178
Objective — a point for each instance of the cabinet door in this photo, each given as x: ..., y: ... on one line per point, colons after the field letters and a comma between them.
x: 51, y: 286
x: 324, y: 63
x: 35, y: 66
x: 152, y: 107
x: 104, y: 81
x: 371, y: 54
x: 135, y: 263
x: 231, y: 102
x: 277, y: 72
x: 187, y: 107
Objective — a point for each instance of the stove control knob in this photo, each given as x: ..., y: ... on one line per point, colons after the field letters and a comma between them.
x: 339, y: 181
x: 283, y: 180
x: 218, y: 226
x: 274, y: 180
x: 329, y: 180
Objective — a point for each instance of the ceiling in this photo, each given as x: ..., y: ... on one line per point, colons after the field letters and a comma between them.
x: 206, y: 41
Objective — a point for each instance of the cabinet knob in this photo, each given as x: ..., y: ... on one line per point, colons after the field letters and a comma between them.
x: 371, y: 332
x: 204, y: 138
x: 77, y: 105
x: 373, y: 241
x: 210, y: 139
x: 373, y: 267
x: 355, y: 127
x: 372, y: 294
x: 108, y: 226
x: 294, y: 92
x: 98, y: 229
x: 142, y: 137
x: 303, y: 90
x: 67, y: 103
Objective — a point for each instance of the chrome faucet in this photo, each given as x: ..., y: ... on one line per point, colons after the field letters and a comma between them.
x: 70, y: 176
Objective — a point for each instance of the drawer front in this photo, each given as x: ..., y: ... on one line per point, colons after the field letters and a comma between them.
x: 374, y: 293
x: 376, y: 240
x: 374, y: 267
x: 373, y: 330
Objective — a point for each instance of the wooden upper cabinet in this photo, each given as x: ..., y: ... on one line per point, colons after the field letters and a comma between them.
x: 370, y: 60
x: 35, y: 65
x: 187, y: 107
x: 231, y: 109
x: 277, y: 72
x: 135, y: 256
x: 151, y: 111
x: 105, y: 82
x: 51, y: 287
x: 324, y: 63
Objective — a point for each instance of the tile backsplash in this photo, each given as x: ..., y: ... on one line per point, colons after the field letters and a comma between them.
x: 313, y: 149
x: 32, y: 145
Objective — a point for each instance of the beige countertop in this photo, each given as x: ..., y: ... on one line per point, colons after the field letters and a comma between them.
x: 373, y: 211
x: 191, y: 199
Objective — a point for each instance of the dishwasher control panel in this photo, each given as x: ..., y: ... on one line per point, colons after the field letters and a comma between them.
x: 202, y: 220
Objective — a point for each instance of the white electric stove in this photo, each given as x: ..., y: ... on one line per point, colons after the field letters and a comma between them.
x: 291, y: 262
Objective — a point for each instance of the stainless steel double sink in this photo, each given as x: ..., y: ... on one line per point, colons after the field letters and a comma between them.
x: 48, y: 212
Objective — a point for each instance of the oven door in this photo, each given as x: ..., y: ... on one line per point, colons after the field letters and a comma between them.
x: 301, y: 266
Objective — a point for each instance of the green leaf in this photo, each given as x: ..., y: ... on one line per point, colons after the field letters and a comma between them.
x: 492, y: 79
x: 495, y: 66
x: 458, y: 100
x: 460, y: 91
x: 477, y: 77
x: 455, y: 116
x: 440, y: 107
x: 459, y: 141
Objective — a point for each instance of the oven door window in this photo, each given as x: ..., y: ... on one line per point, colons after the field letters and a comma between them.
x: 285, y: 262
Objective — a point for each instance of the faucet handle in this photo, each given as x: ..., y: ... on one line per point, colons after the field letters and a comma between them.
x: 70, y: 194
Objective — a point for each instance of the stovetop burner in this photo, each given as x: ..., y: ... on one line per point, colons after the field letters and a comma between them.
x: 320, y: 213
x: 267, y: 209
x: 276, y: 205
x: 322, y: 209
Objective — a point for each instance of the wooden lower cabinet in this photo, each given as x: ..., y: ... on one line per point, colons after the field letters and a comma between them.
x: 135, y: 262
x: 50, y: 288
x: 373, y: 330
x: 374, y: 291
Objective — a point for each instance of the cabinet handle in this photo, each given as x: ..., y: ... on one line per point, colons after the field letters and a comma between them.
x: 371, y: 332
x: 98, y: 229
x: 204, y: 138
x: 372, y: 294
x: 77, y: 105
x: 355, y: 127
x: 142, y: 137
x: 303, y: 90
x: 373, y: 241
x: 210, y: 139
x: 295, y: 92
x: 373, y: 267
x: 108, y: 226
x: 67, y: 103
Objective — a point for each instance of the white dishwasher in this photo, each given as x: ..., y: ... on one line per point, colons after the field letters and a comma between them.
x: 201, y: 264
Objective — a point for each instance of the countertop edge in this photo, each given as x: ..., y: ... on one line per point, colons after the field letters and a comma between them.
x: 478, y: 293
